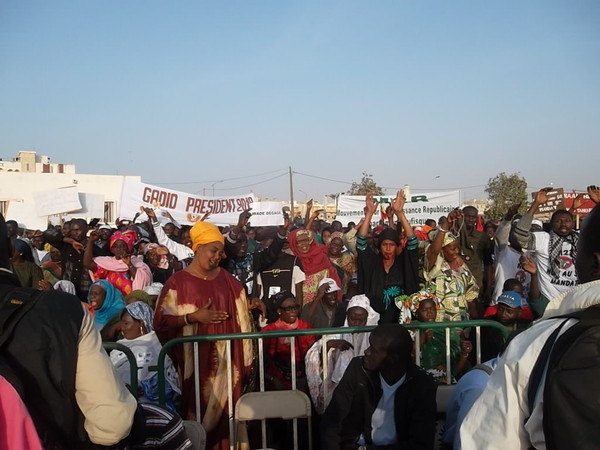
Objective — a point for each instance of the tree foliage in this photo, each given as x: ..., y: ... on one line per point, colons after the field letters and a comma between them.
x: 366, y: 185
x: 504, y: 190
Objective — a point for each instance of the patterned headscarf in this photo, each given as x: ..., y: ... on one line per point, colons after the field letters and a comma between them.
x: 448, y: 237
x: 112, y: 306
x: 409, y: 305
x: 203, y: 233
x: 127, y: 236
x: 142, y: 312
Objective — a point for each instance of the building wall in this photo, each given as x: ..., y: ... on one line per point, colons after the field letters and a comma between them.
x: 20, y: 186
x: 28, y: 161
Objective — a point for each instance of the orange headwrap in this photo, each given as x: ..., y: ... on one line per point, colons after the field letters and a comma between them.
x: 203, y: 233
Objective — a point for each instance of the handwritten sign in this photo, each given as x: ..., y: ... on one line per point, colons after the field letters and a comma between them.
x: 555, y: 201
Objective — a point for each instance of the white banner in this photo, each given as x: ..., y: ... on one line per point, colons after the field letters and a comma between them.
x: 266, y: 214
x: 56, y: 201
x: 185, y: 208
x: 418, y: 207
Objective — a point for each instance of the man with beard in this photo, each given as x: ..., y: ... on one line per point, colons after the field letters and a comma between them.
x: 556, y: 251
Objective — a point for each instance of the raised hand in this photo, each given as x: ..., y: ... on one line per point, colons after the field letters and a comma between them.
x: 399, y: 201
x: 150, y: 213
x: 528, y: 264
x: 594, y: 193
x: 370, y: 204
x: 541, y: 196
x: 512, y: 211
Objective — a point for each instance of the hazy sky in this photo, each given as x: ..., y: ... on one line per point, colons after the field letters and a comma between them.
x: 189, y: 93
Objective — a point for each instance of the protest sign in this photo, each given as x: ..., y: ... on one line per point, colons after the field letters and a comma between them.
x: 418, y: 207
x: 184, y: 207
x: 266, y: 214
x: 56, y: 201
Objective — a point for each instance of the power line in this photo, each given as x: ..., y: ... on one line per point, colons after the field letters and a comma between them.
x: 253, y: 184
x: 322, y: 178
x: 220, y: 180
x: 390, y: 187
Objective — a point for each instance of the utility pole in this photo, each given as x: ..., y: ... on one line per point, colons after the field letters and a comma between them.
x: 292, y: 213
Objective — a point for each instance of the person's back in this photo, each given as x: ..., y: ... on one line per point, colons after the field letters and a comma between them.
x: 50, y: 342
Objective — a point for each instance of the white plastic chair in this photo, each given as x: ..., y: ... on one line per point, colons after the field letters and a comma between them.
x: 290, y: 404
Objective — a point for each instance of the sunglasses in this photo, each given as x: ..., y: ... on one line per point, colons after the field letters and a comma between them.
x: 290, y: 308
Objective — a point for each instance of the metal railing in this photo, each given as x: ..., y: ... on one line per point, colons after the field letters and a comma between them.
x: 133, y: 368
x: 323, y: 332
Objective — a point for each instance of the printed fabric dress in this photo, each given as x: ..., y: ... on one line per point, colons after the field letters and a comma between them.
x: 454, y: 287
x: 182, y: 294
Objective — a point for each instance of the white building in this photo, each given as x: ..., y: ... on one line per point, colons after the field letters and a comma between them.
x: 31, y: 162
x: 29, y: 173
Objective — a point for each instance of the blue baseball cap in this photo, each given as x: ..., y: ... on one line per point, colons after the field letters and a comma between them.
x: 511, y: 298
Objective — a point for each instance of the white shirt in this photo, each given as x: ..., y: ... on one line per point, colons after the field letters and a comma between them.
x: 383, y: 425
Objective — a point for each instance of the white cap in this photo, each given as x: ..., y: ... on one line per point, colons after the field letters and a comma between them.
x: 333, y: 287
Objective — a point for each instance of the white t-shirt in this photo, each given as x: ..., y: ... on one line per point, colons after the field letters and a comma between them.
x: 383, y: 425
x: 549, y: 286
x: 508, y: 266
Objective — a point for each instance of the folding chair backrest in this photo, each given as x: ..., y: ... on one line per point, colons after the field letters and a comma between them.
x: 286, y: 405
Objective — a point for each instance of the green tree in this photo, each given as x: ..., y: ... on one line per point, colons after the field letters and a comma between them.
x: 504, y: 190
x: 366, y: 185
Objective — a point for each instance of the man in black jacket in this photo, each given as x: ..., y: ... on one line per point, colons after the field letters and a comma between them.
x: 383, y: 401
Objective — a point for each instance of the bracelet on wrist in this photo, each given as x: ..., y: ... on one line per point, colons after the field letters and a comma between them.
x: 185, y: 319
x: 441, y: 229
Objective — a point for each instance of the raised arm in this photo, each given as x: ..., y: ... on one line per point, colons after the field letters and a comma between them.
x: 398, y: 208
x: 314, y: 216
x: 309, y: 205
x: 503, y: 230
x: 521, y: 233
x: 178, y: 250
x: 88, y: 254
x: 436, y: 246
x: 370, y: 208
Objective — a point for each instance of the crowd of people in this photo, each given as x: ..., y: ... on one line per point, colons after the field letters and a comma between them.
x: 143, y: 283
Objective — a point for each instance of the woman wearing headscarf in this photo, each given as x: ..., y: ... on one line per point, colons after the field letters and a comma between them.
x: 204, y: 299
x: 422, y: 307
x: 343, y: 260
x: 315, y: 262
x: 340, y: 351
x: 392, y: 272
x: 105, y: 304
x: 22, y: 265
x: 448, y: 276
x: 139, y: 336
x: 124, y: 270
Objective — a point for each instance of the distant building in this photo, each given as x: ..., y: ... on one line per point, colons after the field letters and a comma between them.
x: 31, y: 162
x: 29, y: 173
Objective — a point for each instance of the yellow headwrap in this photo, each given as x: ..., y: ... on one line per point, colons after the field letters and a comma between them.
x: 203, y: 233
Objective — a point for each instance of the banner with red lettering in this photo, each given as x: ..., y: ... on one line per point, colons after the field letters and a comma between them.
x: 184, y: 207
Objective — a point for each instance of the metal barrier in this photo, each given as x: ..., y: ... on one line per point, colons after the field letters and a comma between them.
x: 324, y: 332
x: 133, y: 368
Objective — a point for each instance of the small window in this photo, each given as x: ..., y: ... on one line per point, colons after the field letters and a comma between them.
x: 109, y: 212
